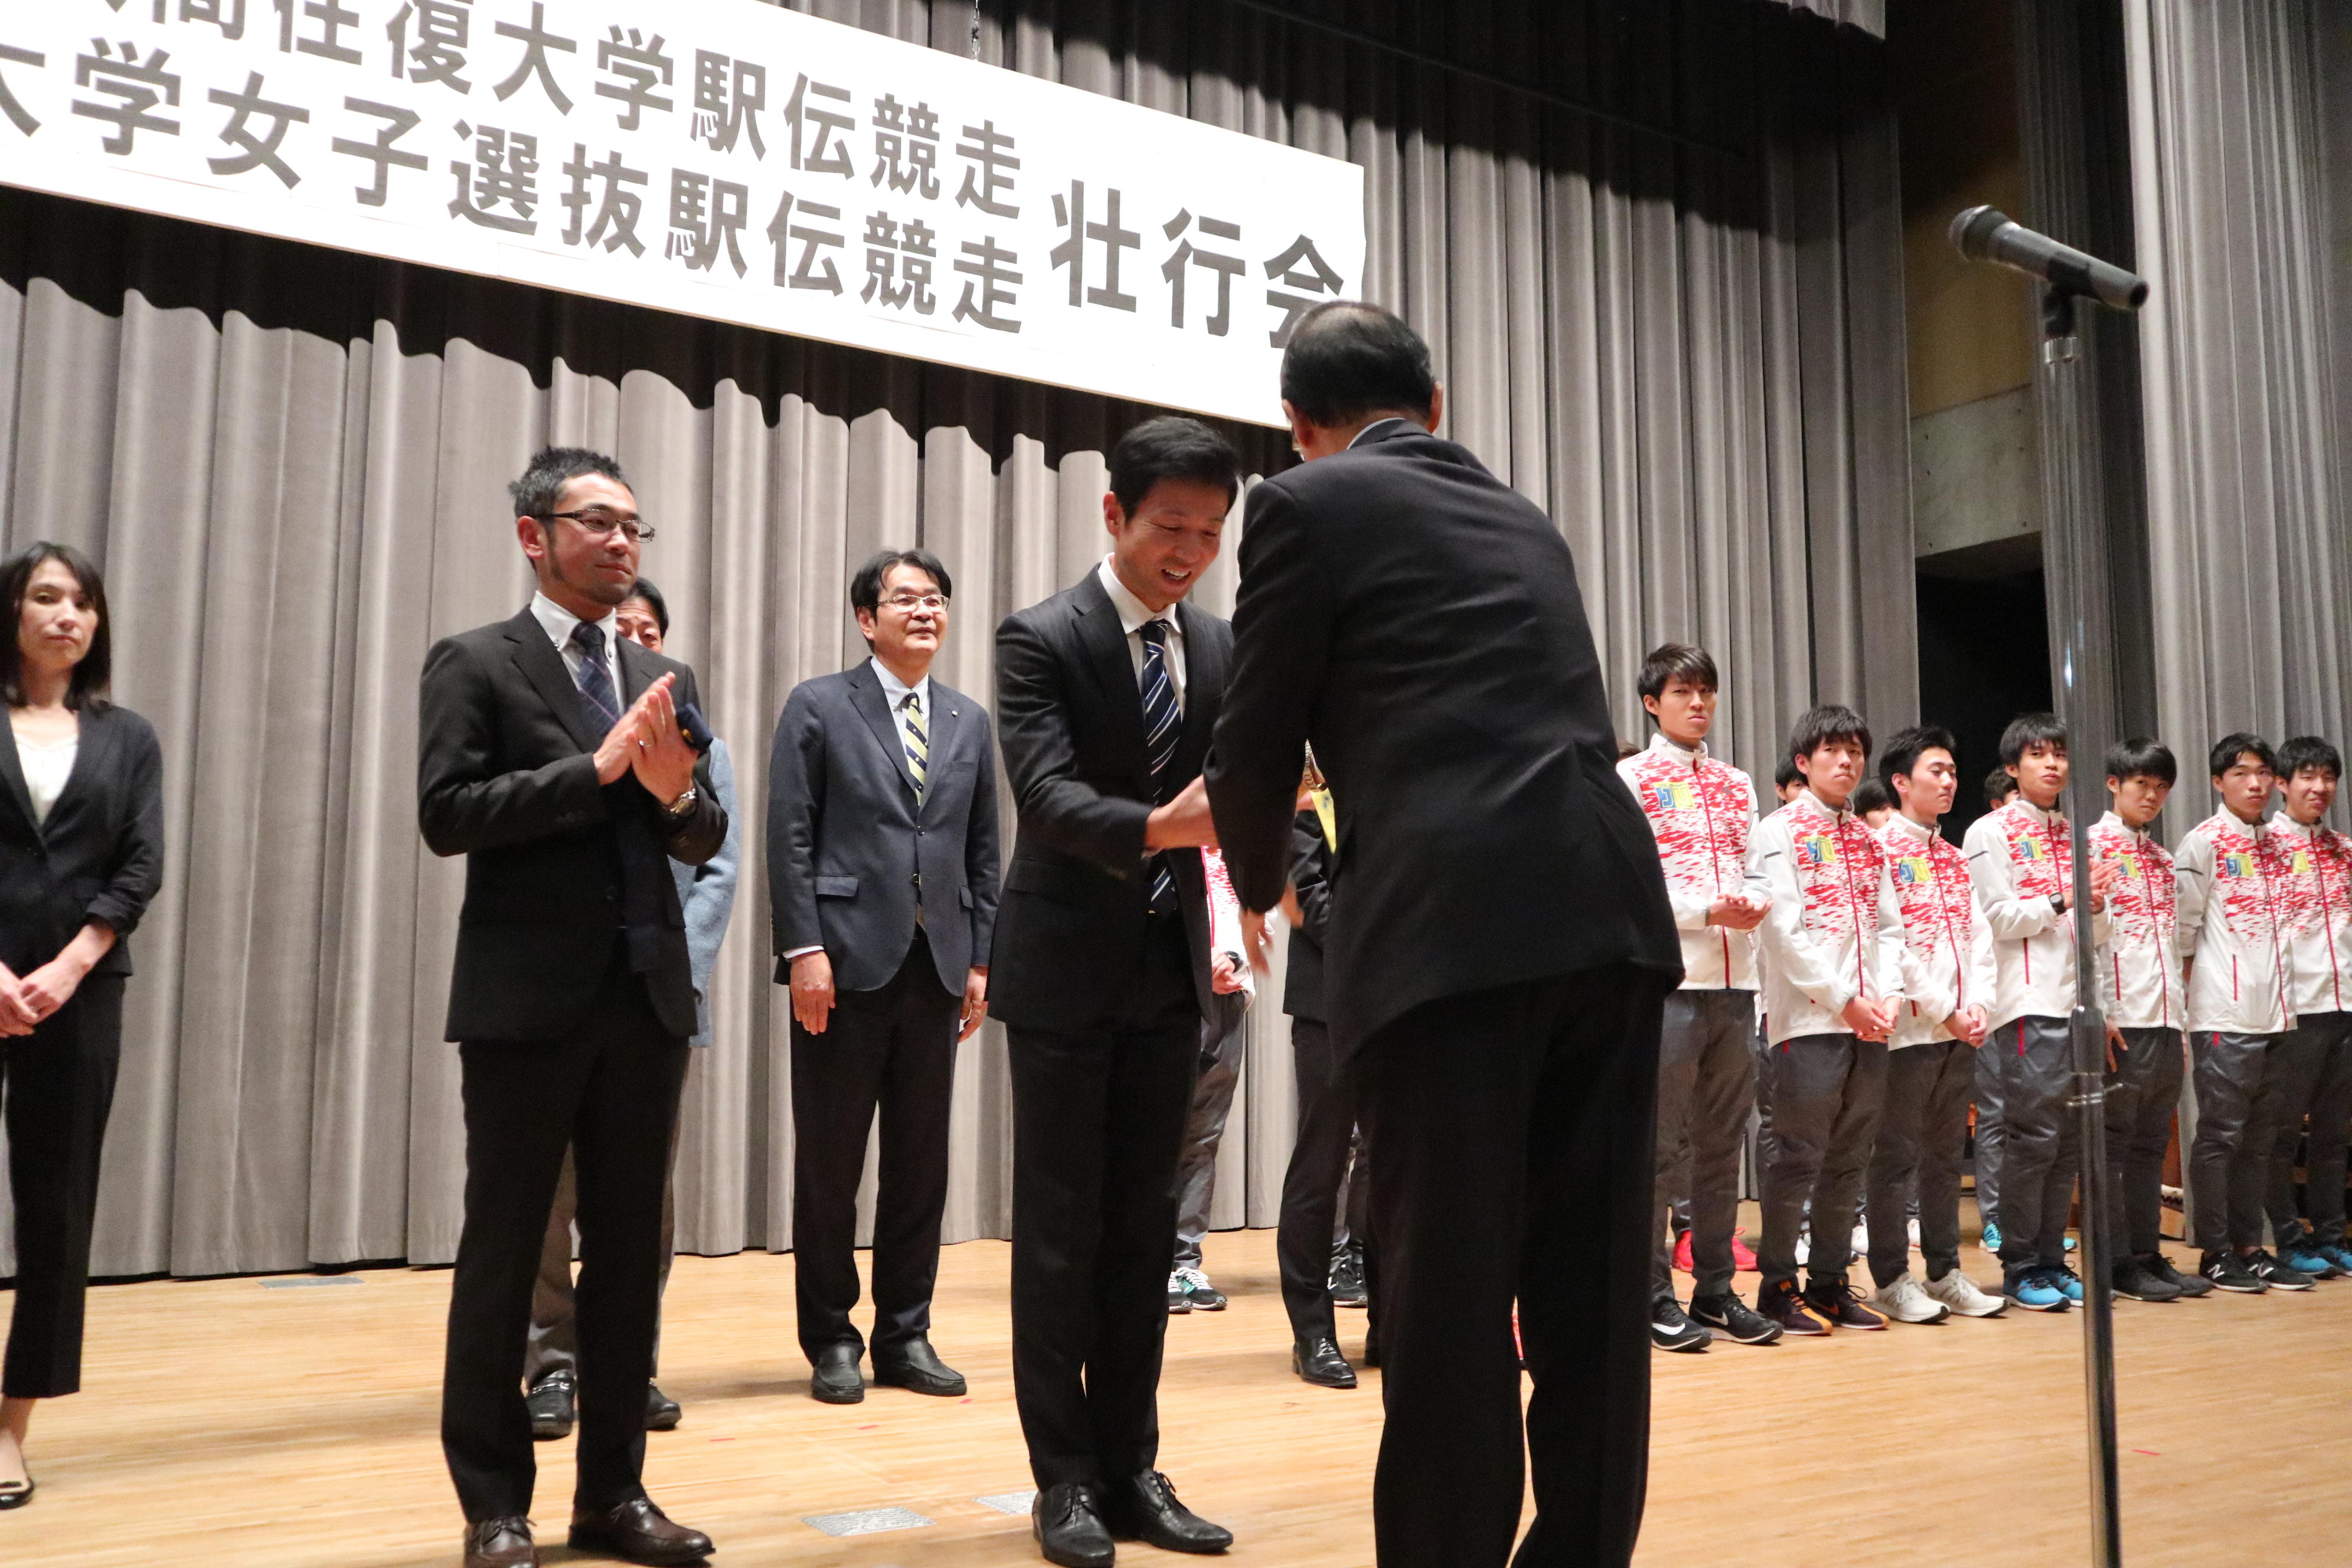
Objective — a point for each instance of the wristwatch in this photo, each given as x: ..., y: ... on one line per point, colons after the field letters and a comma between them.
x: 681, y: 806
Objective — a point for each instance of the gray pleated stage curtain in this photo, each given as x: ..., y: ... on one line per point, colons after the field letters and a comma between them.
x: 2241, y: 217
x: 1656, y: 248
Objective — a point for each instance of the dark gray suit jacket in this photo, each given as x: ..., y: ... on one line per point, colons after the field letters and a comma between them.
x: 1076, y: 893
x: 851, y: 854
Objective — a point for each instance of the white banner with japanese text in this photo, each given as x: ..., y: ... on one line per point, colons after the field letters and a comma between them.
x: 720, y: 158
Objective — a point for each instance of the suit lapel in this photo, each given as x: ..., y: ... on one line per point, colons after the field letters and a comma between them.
x: 1105, y: 641
x: 89, y: 759
x: 1204, y: 681
x: 12, y: 771
x: 636, y: 673
x: 944, y: 723
x: 540, y: 665
x: 866, y: 696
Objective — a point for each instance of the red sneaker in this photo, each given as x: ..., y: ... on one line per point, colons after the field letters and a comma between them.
x: 1743, y: 1257
x: 1683, y: 1254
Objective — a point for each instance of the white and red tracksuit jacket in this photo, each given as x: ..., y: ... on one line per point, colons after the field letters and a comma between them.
x: 1948, y: 963
x: 1225, y: 916
x: 1835, y: 931
x: 1702, y: 810
x: 2021, y: 861
x: 2316, y: 883
x: 2233, y: 928
x: 2139, y: 962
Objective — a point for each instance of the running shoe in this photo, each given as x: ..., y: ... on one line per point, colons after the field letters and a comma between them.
x: 1906, y: 1301
x: 2036, y: 1291
x: 1964, y: 1296
x: 2227, y: 1271
x: 1670, y: 1329
x: 1830, y: 1296
x: 1728, y: 1317
x: 2277, y: 1275
x: 1787, y: 1308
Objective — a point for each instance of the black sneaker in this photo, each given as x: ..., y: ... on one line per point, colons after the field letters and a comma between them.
x: 1670, y: 1330
x: 2277, y: 1275
x: 551, y: 1404
x: 2227, y: 1271
x: 2160, y: 1266
x: 2133, y: 1282
x: 1782, y: 1305
x: 1347, y: 1288
x: 1840, y: 1303
x: 1729, y: 1317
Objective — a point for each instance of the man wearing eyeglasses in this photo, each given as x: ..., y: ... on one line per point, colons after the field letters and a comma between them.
x: 882, y: 876
x: 553, y: 754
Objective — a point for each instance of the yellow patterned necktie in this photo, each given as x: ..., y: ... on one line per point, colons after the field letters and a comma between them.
x: 918, y: 744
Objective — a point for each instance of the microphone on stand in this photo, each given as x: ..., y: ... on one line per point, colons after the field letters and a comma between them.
x: 1988, y: 234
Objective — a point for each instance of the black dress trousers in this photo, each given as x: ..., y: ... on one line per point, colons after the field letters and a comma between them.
x: 895, y: 1049
x: 59, y: 1082
x: 611, y: 1093
x: 1514, y: 1131
x: 1098, y: 1120
x: 1311, y: 1184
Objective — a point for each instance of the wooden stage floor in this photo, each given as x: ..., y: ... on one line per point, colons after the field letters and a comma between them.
x: 235, y: 1422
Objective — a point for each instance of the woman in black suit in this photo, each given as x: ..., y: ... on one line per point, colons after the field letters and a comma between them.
x: 81, y: 851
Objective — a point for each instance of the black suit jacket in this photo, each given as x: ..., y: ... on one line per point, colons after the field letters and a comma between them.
x: 1070, y: 929
x: 505, y: 776
x: 850, y: 853
x: 1420, y: 623
x: 1310, y: 874
x: 100, y: 856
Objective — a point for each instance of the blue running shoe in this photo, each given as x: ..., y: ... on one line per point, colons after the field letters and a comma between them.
x: 2035, y: 1291
x: 1991, y: 1242
x: 2306, y: 1258
x: 2072, y: 1244
x: 2067, y: 1281
x: 2339, y: 1256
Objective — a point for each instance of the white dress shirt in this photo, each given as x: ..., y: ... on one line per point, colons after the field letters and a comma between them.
x: 46, y: 768
x: 558, y: 621
x: 895, y: 692
x: 1132, y: 614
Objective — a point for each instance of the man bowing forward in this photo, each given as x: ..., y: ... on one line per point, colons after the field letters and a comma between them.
x: 1499, y: 949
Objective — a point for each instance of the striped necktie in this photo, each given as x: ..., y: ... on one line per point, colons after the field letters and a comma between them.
x: 1163, y: 726
x: 918, y: 744
x: 596, y: 676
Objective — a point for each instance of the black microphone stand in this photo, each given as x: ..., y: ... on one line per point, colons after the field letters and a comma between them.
x: 2084, y: 668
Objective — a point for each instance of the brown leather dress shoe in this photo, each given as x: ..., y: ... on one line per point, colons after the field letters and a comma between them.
x: 638, y: 1532
x: 500, y: 1543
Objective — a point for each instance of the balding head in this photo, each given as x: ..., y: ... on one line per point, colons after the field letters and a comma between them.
x: 1350, y: 363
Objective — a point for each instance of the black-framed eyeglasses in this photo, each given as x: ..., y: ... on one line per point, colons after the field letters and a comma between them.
x: 598, y: 523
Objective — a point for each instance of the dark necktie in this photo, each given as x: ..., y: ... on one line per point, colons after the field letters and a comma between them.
x: 1163, y: 726
x: 596, y: 677
x: 918, y: 744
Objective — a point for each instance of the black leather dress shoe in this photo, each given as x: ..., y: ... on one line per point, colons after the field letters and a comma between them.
x: 1317, y: 1361
x: 553, y: 1403
x: 15, y: 1496
x: 638, y: 1532
x: 1066, y: 1519
x: 836, y: 1380
x: 500, y: 1543
x: 662, y: 1412
x: 916, y: 1365
x: 1144, y: 1508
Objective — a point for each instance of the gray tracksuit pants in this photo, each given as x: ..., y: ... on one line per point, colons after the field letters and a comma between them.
x: 1827, y: 1091
x: 2041, y: 1151
x: 1706, y: 1086
x: 2314, y: 1082
x: 2143, y: 1092
x: 1204, y: 1129
x: 1988, y: 1135
x: 2230, y: 1158
x: 1921, y: 1135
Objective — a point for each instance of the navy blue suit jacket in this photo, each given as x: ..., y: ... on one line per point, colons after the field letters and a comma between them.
x: 851, y: 853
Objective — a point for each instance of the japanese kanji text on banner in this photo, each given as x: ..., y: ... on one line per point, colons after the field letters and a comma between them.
x: 720, y: 158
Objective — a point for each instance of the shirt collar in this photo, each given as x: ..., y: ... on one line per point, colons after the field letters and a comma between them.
x: 1132, y: 611
x: 1366, y: 433
x: 1813, y: 805
x: 1666, y: 748
x: 1899, y: 823
x: 895, y: 689
x: 2286, y: 823
x: 2110, y: 820
x: 558, y: 621
x: 2036, y: 815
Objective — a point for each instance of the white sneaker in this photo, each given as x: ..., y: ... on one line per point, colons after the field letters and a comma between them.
x: 1903, y: 1301
x: 1960, y: 1293
x: 1862, y: 1240
x: 1912, y: 1229
x: 1804, y: 1249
